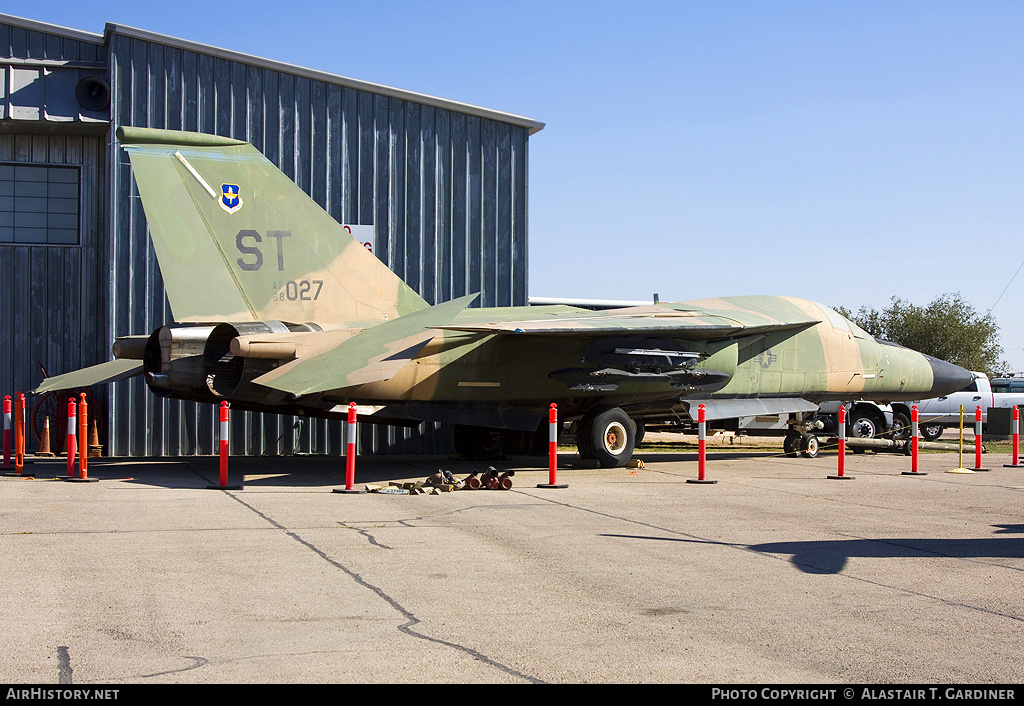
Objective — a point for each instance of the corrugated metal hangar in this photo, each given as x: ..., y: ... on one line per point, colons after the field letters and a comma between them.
x: 443, y: 184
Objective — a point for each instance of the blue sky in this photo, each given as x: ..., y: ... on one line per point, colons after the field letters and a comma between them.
x: 846, y: 152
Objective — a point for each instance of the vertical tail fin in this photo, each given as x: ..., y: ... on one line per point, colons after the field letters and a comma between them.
x: 237, y: 240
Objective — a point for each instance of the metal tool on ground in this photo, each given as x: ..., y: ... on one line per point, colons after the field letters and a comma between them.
x: 490, y: 478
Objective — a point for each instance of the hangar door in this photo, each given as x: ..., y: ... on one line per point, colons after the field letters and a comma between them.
x: 51, y: 257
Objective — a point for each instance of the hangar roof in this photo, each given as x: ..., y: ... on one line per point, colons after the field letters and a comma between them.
x: 532, y: 125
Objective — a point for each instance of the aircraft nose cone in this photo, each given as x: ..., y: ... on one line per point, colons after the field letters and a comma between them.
x: 947, y: 378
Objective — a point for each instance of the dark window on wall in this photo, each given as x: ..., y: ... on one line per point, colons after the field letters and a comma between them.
x: 39, y: 204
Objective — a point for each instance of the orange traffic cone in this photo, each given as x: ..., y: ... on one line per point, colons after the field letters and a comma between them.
x: 95, y: 450
x: 44, y: 442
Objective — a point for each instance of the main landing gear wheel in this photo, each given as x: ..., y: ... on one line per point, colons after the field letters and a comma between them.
x: 900, y: 426
x: 478, y: 443
x: 607, y: 435
x: 641, y: 430
x: 791, y: 444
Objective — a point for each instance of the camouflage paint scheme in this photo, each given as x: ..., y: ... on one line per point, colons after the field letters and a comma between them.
x: 277, y: 308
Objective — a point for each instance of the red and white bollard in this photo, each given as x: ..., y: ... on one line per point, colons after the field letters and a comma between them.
x: 702, y: 434
x: 82, y: 422
x: 977, y: 440
x: 19, y: 433
x: 915, y: 430
x: 83, y: 439
x: 350, y: 453
x: 552, y: 450
x: 225, y: 439
x: 1016, y: 440
x: 7, y: 432
x: 552, y: 442
x: 841, y: 423
x: 224, y: 445
x: 842, y: 439
x: 72, y: 446
x: 350, y: 450
x: 19, y: 437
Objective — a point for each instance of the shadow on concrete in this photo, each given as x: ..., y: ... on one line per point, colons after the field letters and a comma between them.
x: 297, y: 471
x: 831, y: 556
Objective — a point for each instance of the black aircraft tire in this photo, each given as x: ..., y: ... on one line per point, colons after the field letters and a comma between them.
x: 583, y: 441
x: 641, y: 430
x: 931, y: 432
x: 791, y: 444
x: 478, y: 443
x: 900, y: 426
x: 809, y: 445
x: 609, y: 433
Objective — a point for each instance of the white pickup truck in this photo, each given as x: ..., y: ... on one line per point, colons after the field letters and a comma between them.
x: 867, y: 420
x: 870, y: 419
x: 939, y: 412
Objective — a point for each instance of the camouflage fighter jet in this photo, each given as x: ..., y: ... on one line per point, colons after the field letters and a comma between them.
x: 278, y: 309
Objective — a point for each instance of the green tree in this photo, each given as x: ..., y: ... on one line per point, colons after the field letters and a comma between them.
x: 949, y: 328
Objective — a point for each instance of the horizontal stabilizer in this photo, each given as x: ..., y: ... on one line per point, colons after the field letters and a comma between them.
x: 111, y: 371
x: 373, y: 355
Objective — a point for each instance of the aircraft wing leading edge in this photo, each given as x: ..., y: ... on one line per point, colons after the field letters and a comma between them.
x: 683, y: 326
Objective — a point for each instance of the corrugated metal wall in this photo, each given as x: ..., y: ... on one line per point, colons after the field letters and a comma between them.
x: 445, y: 190
x: 54, y: 297
x: 21, y: 42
